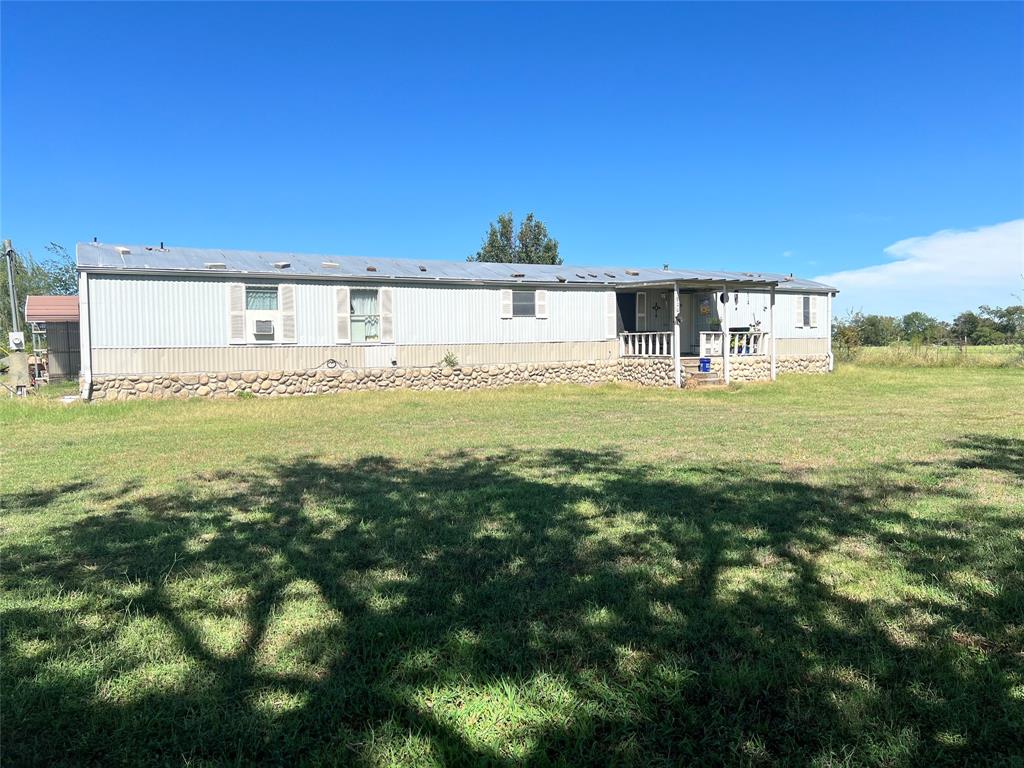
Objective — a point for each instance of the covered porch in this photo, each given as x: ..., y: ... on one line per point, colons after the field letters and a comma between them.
x: 730, y: 323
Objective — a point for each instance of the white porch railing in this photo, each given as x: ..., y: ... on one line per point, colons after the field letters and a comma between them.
x: 659, y: 344
x: 747, y: 343
x: 710, y: 343
x: 740, y: 343
x: 649, y: 344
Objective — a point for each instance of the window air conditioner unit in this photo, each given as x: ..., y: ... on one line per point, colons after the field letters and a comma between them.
x: 265, y: 327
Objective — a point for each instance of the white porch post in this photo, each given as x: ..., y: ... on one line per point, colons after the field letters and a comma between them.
x: 84, y: 337
x: 828, y: 330
x: 725, y: 334
x: 771, y: 328
x: 675, y: 336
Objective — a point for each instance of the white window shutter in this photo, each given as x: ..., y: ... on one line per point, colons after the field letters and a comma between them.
x: 611, y: 311
x: 236, y: 313
x: 798, y: 319
x: 641, y: 311
x: 506, y: 303
x: 342, y: 319
x: 286, y: 301
x: 386, y: 296
x: 540, y: 303
x: 814, y: 311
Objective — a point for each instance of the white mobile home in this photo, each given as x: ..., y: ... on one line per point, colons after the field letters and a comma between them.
x: 159, y: 321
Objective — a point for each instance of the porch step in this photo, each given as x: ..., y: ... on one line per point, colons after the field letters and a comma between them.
x: 696, y: 379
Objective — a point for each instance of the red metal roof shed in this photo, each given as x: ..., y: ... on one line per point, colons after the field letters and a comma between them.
x: 51, y: 309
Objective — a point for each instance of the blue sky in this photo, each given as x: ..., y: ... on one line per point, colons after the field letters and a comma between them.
x: 797, y: 138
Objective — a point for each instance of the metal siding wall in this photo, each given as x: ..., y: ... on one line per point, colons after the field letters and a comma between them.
x: 785, y: 310
x: 314, y: 313
x: 752, y: 306
x: 802, y: 346
x: 132, y: 311
x: 158, y: 312
x: 472, y: 315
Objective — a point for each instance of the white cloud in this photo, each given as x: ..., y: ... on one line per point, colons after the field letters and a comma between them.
x: 942, y: 274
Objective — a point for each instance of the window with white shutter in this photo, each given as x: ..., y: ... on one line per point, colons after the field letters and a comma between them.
x: 342, y: 322
x: 641, y: 312
x: 236, y: 313
x: 798, y: 307
x: 541, y: 304
x: 261, y: 314
x: 812, y: 312
x: 506, y: 304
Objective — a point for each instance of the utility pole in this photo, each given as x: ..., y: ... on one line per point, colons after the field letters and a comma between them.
x: 9, y: 256
x: 17, y: 358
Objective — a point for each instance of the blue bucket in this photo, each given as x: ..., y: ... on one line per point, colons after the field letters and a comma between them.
x: 704, y: 365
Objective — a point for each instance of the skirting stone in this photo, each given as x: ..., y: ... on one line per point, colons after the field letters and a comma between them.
x: 647, y: 372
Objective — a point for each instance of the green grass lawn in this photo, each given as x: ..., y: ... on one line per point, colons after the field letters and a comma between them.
x: 824, y: 571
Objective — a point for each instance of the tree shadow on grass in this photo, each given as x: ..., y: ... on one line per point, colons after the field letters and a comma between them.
x: 552, y: 607
x: 1002, y: 454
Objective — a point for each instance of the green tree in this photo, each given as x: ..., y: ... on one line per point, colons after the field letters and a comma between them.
x: 530, y: 245
x: 54, y: 275
x: 1009, y: 321
x: 987, y: 334
x: 878, y: 330
x: 965, y: 326
x: 61, y: 270
x: 920, y: 327
x: 846, y: 336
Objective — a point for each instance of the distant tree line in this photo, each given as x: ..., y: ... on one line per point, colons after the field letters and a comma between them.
x: 53, y: 275
x: 987, y: 326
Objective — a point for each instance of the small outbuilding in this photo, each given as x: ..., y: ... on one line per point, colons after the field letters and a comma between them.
x: 53, y: 321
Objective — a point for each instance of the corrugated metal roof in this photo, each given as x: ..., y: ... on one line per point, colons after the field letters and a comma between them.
x: 51, y: 309
x: 144, y: 258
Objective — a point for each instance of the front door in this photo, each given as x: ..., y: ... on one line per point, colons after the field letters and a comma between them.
x: 627, y: 311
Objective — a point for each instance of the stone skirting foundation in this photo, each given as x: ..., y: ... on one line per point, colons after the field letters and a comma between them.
x: 322, y: 380
x: 801, y: 364
x: 759, y: 368
x: 652, y: 372
x: 742, y: 369
x: 648, y: 372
